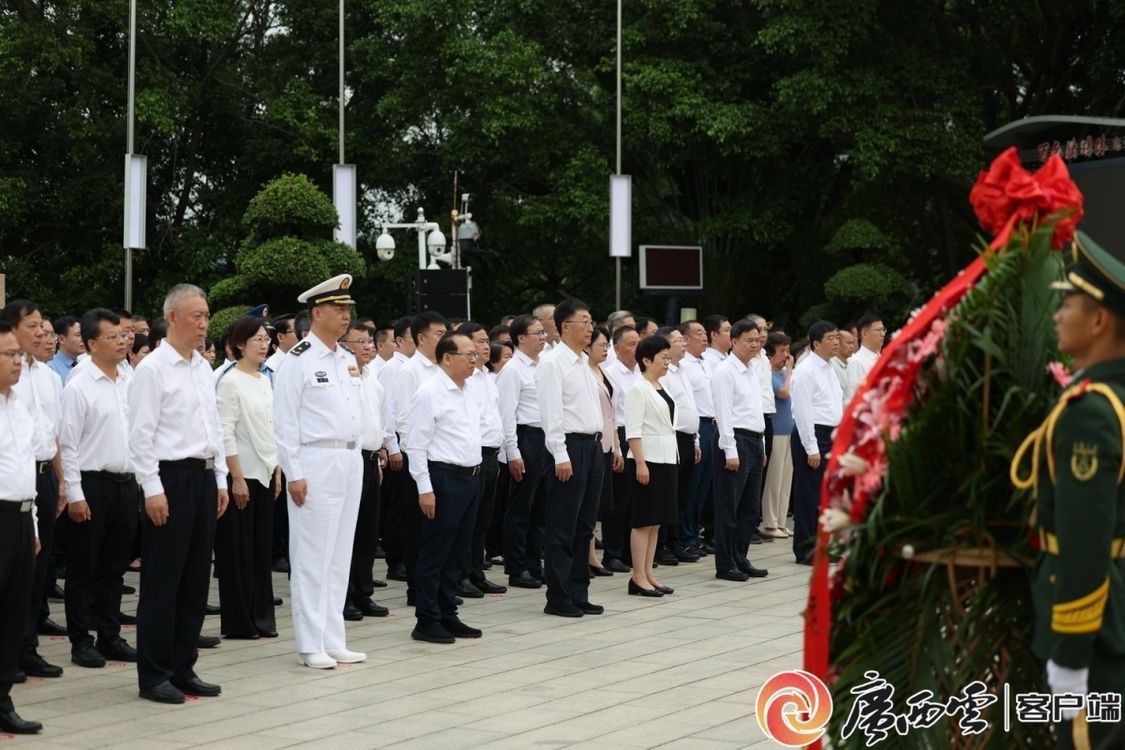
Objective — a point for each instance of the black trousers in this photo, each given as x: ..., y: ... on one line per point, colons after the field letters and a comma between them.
x: 408, y: 524
x: 738, y: 502
x: 494, y: 539
x: 175, y: 576
x: 489, y: 474
x: 572, y: 512
x: 394, y: 499
x: 361, y: 578
x: 444, y: 543
x: 281, y: 524
x: 524, y: 519
x: 615, y: 521
x: 806, y: 491
x: 46, y: 504
x: 685, y: 480
x: 100, y: 551
x: 243, y: 553
x: 17, y: 561
x: 769, y: 449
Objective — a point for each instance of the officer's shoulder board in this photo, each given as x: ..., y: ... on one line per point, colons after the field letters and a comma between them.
x: 300, y: 348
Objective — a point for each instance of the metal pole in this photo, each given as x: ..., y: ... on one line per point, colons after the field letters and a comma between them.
x: 617, y: 260
x: 341, y: 161
x: 129, y: 136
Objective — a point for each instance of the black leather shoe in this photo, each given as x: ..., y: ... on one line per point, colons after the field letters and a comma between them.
x: 756, y: 539
x: 211, y: 610
x: 378, y: 584
x: 685, y: 556
x: 371, y: 609
x: 458, y: 601
x: 805, y: 561
x: 458, y: 629
x: 396, y: 573
x: 207, y: 641
x: 664, y: 557
x: 280, y: 566
x: 55, y: 592
x: 616, y: 565
x: 731, y: 575
x: 597, y: 571
x: 11, y: 722
x: 540, y: 576
x: 50, y: 627
x: 665, y: 589
x: 192, y: 685
x: 35, y: 665
x: 431, y: 632
x: 380, y: 553
x: 20, y: 678
x: 486, y: 565
x: 635, y: 590
x: 268, y: 634
x: 278, y: 601
x: 410, y: 598
x: 563, y: 610
x: 124, y: 619
x: 165, y: 692
x: 352, y: 613
x: 85, y: 655
x: 118, y: 650
x: 127, y: 589
x: 241, y: 636
x: 466, y: 589
x: 708, y: 548
x: 590, y: 609
x: 766, y: 539
x: 698, y: 552
x: 489, y: 587
x: 524, y: 581
x: 752, y: 572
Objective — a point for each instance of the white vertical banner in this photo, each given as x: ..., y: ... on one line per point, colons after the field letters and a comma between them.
x: 136, y: 175
x: 343, y: 196
x: 620, y: 216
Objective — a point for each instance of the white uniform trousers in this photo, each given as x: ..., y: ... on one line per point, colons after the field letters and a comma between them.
x: 779, y: 481
x: 321, y: 533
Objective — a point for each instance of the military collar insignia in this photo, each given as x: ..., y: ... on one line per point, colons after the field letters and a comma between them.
x: 353, y: 371
x: 300, y: 348
x: 321, y: 374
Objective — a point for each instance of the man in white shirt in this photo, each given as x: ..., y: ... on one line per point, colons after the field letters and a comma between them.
x: 545, y: 314
x: 740, y: 460
x: 361, y: 581
x: 176, y: 454
x: 528, y: 461
x: 286, y: 340
x: 699, y: 493
x: 19, y: 540
x: 40, y: 390
x: 718, y: 341
x: 570, y: 409
x: 686, y: 422
x: 394, y: 481
x: 763, y: 371
x: 844, y: 353
x: 817, y: 406
x: 872, y: 334
x: 617, y: 319
x: 385, y: 348
x: 443, y: 443
x: 616, y: 554
x: 102, y: 494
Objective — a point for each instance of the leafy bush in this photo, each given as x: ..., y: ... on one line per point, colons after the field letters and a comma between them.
x: 863, y: 287
x: 290, y: 206
x: 857, y: 235
x: 222, y: 318
x: 290, y: 262
x: 227, y: 290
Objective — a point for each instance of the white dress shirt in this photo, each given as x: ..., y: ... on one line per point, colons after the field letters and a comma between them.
x: 519, y: 399
x: 817, y: 399
x: 444, y: 426
x: 274, y: 361
x: 699, y: 377
x: 712, y: 358
x: 859, y: 364
x: 221, y: 371
x: 42, y: 396
x: 123, y: 369
x: 568, y: 399
x: 417, y: 371
x: 482, y: 387
x: 245, y: 405
x: 677, y: 386
x: 764, y: 372
x: 622, y: 379
x: 172, y: 415
x: 315, y: 397
x: 738, y: 403
x: 17, y: 453
x: 387, y: 376
x: 377, y: 364
x: 372, y: 430
x: 95, y: 427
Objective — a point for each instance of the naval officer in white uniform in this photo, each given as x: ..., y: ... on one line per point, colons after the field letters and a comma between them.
x: 317, y: 412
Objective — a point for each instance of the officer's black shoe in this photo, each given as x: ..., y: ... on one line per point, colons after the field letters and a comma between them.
x: 458, y: 601
x: 192, y: 685
x: 280, y: 565
x: 11, y: 722
x: 590, y: 609
x: 753, y: 572
x: 615, y: 565
x: 489, y: 587
x: 458, y: 629
x: 165, y: 692
x: 708, y: 548
x: 126, y: 589
x: 20, y: 678
x: 466, y: 589
x: 371, y: 609
x: 396, y: 572
x: 207, y: 641
x: 804, y: 561
x: 431, y: 632
x: 540, y: 576
x: 211, y: 609
x: 697, y: 551
x: 597, y: 571
x: 380, y: 553
x: 278, y: 601
x: 665, y: 557
x: 85, y: 655
x: 731, y: 575
x: 55, y: 592
x: 124, y: 619
x: 35, y: 665
x: 524, y: 581
x: 766, y: 538
x: 563, y: 610
x: 352, y: 613
x: 685, y: 556
x: 378, y: 584
x: 49, y: 627
x: 118, y: 650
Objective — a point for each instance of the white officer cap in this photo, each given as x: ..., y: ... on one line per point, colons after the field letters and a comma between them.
x: 335, y: 290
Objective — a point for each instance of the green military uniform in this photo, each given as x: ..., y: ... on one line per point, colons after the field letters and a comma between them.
x: 1077, y: 469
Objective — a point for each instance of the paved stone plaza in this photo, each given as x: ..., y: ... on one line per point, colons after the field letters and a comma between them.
x: 682, y: 671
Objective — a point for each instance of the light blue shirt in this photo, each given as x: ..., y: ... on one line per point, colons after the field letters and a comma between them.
x: 62, y: 365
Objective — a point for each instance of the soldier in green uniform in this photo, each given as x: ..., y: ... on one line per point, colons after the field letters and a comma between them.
x: 1077, y: 469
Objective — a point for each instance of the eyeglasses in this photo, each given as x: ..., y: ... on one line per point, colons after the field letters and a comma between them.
x: 587, y: 322
x: 284, y: 331
x: 259, y: 339
x: 361, y: 342
x: 471, y: 356
x: 540, y: 334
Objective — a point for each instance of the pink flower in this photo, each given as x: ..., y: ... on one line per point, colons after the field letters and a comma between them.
x: 1059, y: 372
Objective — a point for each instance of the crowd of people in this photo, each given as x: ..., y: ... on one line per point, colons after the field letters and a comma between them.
x: 326, y: 441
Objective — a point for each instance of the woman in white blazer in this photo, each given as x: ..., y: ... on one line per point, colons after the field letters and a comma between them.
x: 653, y: 460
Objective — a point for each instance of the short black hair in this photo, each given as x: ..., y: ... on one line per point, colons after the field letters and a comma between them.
x: 448, y: 344
x: 284, y: 323
x: 302, y: 323
x: 666, y: 331
x: 208, y: 343
x: 17, y: 310
x: 123, y: 313
x: 454, y: 323
x: 741, y: 327
x: 500, y: 333
x: 496, y: 351
x: 469, y: 327
x: 685, y: 327
x: 868, y: 320
x: 157, y: 331
x: 820, y: 329
x: 140, y: 341
x: 599, y: 331
x: 5, y: 327
x: 425, y: 320
x: 774, y: 340
x: 619, y: 333
x: 649, y: 347
x: 382, y: 333
x: 63, y: 324
x: 519, y: 327
x: 712, y: 324
x: 566, y: 308
x: 91, y: 322
x: 643, y: 322
x: 402, y: 326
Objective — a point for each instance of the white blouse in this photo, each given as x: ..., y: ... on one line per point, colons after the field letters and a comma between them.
x: 246, y: 415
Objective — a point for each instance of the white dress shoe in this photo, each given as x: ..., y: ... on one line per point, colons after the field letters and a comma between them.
x: 316, y: 661
x: 344, y: 656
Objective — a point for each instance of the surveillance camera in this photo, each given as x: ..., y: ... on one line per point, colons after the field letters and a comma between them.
x: 385, y: 253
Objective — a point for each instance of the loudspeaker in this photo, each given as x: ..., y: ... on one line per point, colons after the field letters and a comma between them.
x: 440, y: 281
x: 449, y: 305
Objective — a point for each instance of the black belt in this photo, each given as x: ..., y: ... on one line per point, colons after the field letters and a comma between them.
x: 489, y: 451
x: 592, y: 437
x: 41, y: 467
x: 522, y: 428
x: 196, y: 464
x: 748, y: 433
x: 112, y: 476
x: 687, y: 435
x: 17, y: 506
x: 706, y: 420
x: 471, y: 471
x: 369, y: 455
x: 828, y: 427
